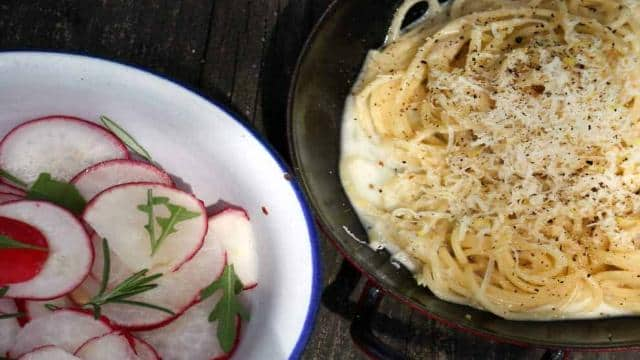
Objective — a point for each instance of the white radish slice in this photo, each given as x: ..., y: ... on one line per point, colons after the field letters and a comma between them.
x: 48, y: 352
x: 119, y: 271
x: 5, y: 197
x: 191, y: 336
x: 36, y: 309
x: 232, y: 229
x: 66, y: 329
x: 107, y: 347
x: 176, y: 291
x: 70, y: 251
x: 144, y: 350
x: 102, y: 176
x: 58, y: 145
x: 114, y: 215
x: 8, y: 327
x: 10, y: 189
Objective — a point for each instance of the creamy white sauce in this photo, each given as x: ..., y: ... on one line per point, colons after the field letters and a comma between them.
x: 364, y: 178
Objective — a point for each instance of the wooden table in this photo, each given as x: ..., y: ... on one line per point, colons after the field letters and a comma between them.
x: 241, y: 52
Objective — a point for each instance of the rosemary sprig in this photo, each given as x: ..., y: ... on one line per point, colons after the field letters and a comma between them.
x: 11, y: 316
x: 51, y: 307
x: 12, y: 179
x: 9, y: 243
x: 120, y: 294
x: 126, y: 138
x: 3, y: 292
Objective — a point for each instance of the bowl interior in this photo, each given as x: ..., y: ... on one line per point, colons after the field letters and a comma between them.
x: 327, y: 69
x: 210, y: 151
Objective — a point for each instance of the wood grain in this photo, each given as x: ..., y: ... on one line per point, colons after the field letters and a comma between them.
x: 243, y: 53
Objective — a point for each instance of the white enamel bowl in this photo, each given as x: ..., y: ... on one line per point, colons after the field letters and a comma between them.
x: 211, y: 150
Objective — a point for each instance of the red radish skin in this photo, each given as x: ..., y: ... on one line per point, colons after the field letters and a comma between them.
x: 48, y: 352
x: 67, y: 329
x: 22, y: 307
x: 99, y: 177
x: 6, y: 198
x: 19, y: 265
x: 70, y: 252
x: 58, y: 144
x: 114, y: 215
x: 232, y: 228
x: 144, y: 350
x: 114, y: 345
x: 10, y: 189
x: 9, y: 328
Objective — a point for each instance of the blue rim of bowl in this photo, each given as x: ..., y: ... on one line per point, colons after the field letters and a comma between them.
x: 316, y: 285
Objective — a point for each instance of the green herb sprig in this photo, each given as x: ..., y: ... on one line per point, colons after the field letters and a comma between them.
x: 9, y: 243
x: 3, y: 292
x: 12, y: 179
x: 60, y: 193
x: 51, y: 307
x: 11, y: 316
x: 177, y: 214
x: 228, y: 308
x: 120, y: 294
x: 126, y: 138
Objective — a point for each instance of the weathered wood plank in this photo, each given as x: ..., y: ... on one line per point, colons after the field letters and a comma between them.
x: 168, y: 37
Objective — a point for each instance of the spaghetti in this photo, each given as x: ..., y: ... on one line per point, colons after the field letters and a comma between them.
x: 495, y: 146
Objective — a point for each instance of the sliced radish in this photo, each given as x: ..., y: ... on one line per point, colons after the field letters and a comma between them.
x: 66, y: 329
x: 232, y: 229
x: 10, y: 189
x: 107, y: 347
x: 58, y: 145
x: 191, y: 336
x: 119, y: 271
x: 144, y: 350
x: 114, y: 215
x: 102, y: 176
x: 36, y: 309
x: 20, y: 265
x: 8, y: 327
x: 48, y: 352
x: 176, y: 291
x: 70, y: 252
x: 5, y: 197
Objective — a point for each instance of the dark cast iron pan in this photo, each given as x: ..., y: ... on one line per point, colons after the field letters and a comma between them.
x: 327, y: 68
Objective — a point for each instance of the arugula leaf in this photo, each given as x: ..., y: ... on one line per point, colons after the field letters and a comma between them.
x: 177, y: 214
x: 5, y: 174
x: 228, y: 307
x: 133, y: 285
x: 3, y: 291
x: 58, y: 192
x: 9, y: 243
x: 124, y: 136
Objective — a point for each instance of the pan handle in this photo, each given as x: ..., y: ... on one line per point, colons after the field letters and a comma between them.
x: 366, y: 310
x: 368, y: 342
x: 361, y: 332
